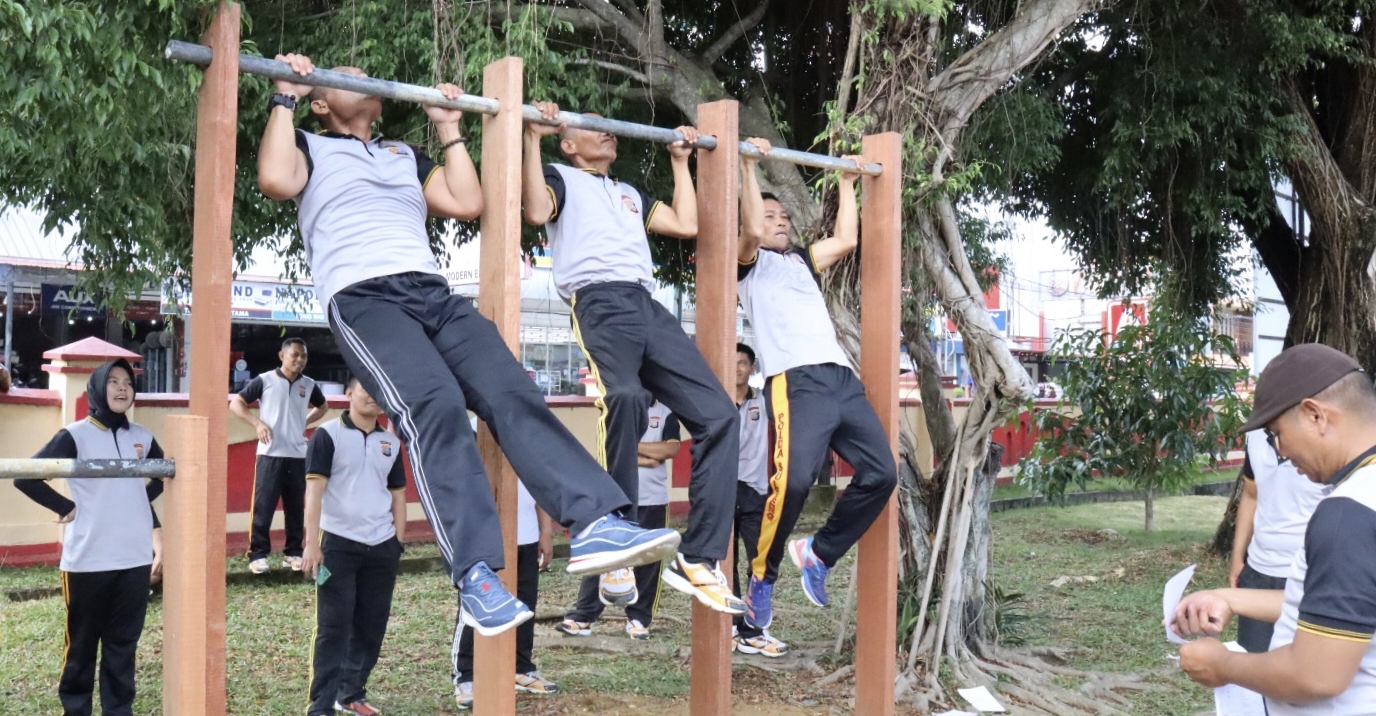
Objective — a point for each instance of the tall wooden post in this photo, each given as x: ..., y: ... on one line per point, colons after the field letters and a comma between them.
x: 718, y: 187
x: 499, y: 298
x: 194, y: 616
x: 877, y: 594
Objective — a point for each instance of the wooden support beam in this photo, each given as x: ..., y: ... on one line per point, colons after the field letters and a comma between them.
x: 194, y: 621
x: 881, y: 222
x: 718, y: 185
x: 499, y: 298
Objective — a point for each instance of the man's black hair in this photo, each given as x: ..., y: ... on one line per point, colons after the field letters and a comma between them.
x: 769, y: 195
x: 294, y: 341
x: 747, y: 350
x: 351, y: 382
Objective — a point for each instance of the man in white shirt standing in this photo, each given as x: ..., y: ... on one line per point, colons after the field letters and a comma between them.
x: 1271, y: 518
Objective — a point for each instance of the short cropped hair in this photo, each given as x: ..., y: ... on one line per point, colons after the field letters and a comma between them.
x: 351, y: 382
x: 294, y: 341
x: 747, y: 350
x: 1354, y: 393
x: 769, y: 195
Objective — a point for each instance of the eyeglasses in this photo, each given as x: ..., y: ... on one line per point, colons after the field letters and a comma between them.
x: 1273, y: 440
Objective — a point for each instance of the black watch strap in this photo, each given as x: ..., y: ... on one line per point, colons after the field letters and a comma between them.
x: 284, y: 100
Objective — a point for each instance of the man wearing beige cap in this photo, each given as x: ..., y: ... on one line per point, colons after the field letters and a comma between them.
x: 1318, y: 408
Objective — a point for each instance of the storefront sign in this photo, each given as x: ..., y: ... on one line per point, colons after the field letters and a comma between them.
x: 259, y: 302
x: 70, y: 300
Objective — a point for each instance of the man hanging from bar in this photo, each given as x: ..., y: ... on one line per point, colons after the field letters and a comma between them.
x: 597, y: 228
x: 111, y: 547
x: 816, y: 401
x: 426, y: 355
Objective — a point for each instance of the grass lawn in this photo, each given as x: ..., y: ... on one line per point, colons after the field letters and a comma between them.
x: 1201, y: 476
x: 1114, y: 622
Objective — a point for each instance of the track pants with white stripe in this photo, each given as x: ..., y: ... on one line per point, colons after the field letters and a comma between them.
x: 427, y: 357
x: 814, y: 408
x: 639, y: 352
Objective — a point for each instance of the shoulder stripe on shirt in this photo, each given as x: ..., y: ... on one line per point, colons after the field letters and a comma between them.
x: 1331, y: 633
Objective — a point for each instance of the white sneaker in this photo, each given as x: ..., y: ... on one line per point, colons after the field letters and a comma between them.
x: 258, y: 566
x: 570, y: 627
x: 636, y: 630
x: 292, y: 563
x: 617, y: 588
x: 764, y: 645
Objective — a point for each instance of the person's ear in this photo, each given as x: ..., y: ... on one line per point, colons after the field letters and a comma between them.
x: 320, y: 107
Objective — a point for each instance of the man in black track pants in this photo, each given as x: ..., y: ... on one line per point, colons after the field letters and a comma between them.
x: 816, y: 401
x: 288, y: 403
x: 426, y: 355
x: 597, y: 228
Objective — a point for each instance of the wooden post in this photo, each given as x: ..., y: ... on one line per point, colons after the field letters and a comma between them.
x: 499, y: 298
x: 881, y: 223
x: 718, y: 208
x: 194, y: 620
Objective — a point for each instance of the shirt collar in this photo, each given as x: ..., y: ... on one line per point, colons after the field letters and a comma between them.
x: 749, y: 395
x: 349, y: 423
x: 336, y: 135
x: 1361, y: 461
x: 283, y: 376
x: 599, y: 175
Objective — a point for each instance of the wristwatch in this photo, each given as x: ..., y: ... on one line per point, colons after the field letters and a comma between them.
x: 284, y: 100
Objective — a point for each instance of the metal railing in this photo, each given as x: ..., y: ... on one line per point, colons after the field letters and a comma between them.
x: 23, y: 469
x: 272, y: 69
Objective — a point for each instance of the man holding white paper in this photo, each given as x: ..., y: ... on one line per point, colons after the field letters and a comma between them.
x: 1318, y: 408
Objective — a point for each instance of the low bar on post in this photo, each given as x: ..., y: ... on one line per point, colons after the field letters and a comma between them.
x: 881, y: 237
x: 18, y: 469
x: 718, y: 193
x: 499, y: 299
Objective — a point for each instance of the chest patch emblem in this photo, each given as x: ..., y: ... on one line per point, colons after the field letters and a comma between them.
x: 301, y: 390
x: 630, y: 204
x: 654, y: 421
x: 386, y: 449
x: 138, y: 450
x: 754, y: 414
x: 796, y: 259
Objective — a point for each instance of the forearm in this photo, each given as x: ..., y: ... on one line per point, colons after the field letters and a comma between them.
x: 546, y: 523
x: 1260, y: 604
x: 278, y: 158
x: 847, y: 214
x: 240, y: 410
x: 752, y: 213
x: 399, y: 513
x: 315, y: 495
x: 316, y: 414
x: 1286, y: 674
x: 460, y: 175
x: 1242, y: 533
x: 660, y: 451
x: 685, y: 198
x: 536, y: 204
x: 41, y: 492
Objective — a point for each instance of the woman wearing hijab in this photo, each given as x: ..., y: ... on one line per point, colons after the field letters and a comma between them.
x: 109, y: 549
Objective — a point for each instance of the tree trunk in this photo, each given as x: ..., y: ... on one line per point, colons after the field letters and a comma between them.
x: 975, y: 575
x: 1151, y: 509
x: 1222, y: 543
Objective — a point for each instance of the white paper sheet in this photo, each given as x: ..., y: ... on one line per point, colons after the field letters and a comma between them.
x: 1170, y: 599
x: 981, y: 699
x: 1233, y: 700
x: 956, y: 713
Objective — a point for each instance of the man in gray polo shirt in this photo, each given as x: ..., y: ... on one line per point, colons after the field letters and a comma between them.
x: 816, y: 401
x: 1318, y: 408
x: 427, y: 355
x: 288, y: 403
x: 597, y: 228
x: 355, y: 524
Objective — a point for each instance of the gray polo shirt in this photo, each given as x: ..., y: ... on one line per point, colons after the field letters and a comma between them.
x: 283, y: 404
x: 1285, y: 501
x: 113, y: 528
x: 783, y: 301
x: 654, y: 481
x: 597, y: 233
x: 753, y: 463
x: 362, y: 213
x: 1331, y: 590
x: 362, y: 469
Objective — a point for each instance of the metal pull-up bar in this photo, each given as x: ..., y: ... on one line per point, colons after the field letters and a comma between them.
x: 272, y: 69
x: 23, y: 469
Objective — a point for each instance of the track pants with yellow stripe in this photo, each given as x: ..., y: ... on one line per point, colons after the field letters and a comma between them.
x: 638, y: 352
x: 105, y: 614
x: 812, y: 409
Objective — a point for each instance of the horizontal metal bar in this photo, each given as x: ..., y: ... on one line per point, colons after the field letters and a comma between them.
x: 24, y: 469
x: 272, y: 69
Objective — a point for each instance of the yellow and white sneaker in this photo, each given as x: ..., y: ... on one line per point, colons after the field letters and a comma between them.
x: 292, y: 563
x: 764, y: 645
x: 259, y: 566
x: 570, y: 627
x: 705, y: 582
x: 617, y: 588
x: 636, y: 630
x: 534, y: 683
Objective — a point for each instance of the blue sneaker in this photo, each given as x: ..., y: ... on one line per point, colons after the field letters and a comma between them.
x: 485, y: 605
x: 814, y: 572
x: 759, y: 604
x: 613, y: 543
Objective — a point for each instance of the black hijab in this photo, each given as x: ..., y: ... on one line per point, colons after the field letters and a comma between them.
x: 96, y: 403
